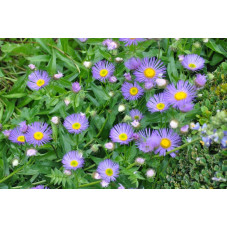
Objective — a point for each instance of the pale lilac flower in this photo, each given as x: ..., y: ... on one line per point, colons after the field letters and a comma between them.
x: 150, y: 173
x: 55, y: 120
x: 76, y: 87
x: 31, y: 66
x: 58, y: 75
x: 113, y: 79
x: 31, y: 152
x: 109, y: 146
x: 128, y: 76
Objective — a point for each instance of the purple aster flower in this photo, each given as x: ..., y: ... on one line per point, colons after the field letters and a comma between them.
x: 102, y: 70
x: 23, y: 126
x: 76, y: 123
x: 121, y: 133
x: 76, y: 87
x: 110, y: 44
x: 150, y: 70
x: 148, y: 85
x: 158, y: 103
x: 133, y: 63
x: 224, y: 142
x: 38, y: 133
x: 183, y: 93
x: 38, y: 80
x: 16, y: 136
x: 7, y: 132
x: 186, y: 106
x: 72, y: 160
x: 127, y: 76
x: 168, y: 141
x: 39, y: 187
x: 193, y: 62
x: 148, y: 141
x: 113, y: 79
x: 136, y: 114
x: 131, y: 91
x: 83, y: 39
x: 200, y: 80
x: 108, y: 170
x: 131, y: 41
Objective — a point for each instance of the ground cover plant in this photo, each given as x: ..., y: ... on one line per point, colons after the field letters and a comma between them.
x: 127, y: 113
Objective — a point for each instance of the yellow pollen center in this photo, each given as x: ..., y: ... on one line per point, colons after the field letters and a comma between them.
x: 103, y: 72
x: 180, y: 95
x: 123, y: 136
x: 38, y: 135
x: 109, y: 172
x: 160, y: 106
x: 149, y: 73
x: 74, y: 163
x: 21, y: 139
x: 192, y: 65
x: 165, y: 143
x: 133, y: 91
x: 40, y: 82
x: 136, y: 117
x: 76, y: 125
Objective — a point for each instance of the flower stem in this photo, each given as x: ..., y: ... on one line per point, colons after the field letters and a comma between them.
x: 89, y: 184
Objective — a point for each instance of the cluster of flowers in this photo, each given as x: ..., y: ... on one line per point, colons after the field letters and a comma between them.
x: 149, y: 71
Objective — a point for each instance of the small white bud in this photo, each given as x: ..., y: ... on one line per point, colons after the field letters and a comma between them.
x: 174, y: 124
x: 150, y: 173
x: 15, y: 162
x: 140, y: 161
x: 205, y: 40
x: 67, y: 172
x: 118, y: 59
x: 121, y: 108
x: 31, y: 152
x: 96, y: 176
x: 67, y: 101
x: 87, y: 64
x: 55, y: 120
x: 135, y: 124
x: 161, y: 83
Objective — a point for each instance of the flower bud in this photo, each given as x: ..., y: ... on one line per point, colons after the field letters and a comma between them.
x: 15, y: 162
x: 184, y: 129
x: 127, y: 76
x: 58, y: 76
x: 96, y: 176
x: 127, y: 118
x: 31, y: 66
x: 95, y: 147
x: 55, y: 120
x: 210, y: 76
x: 104, y: 184
x: 67, y: 172
x: 31, y: 152
x: 197, y: 45
x: 150, y: 173
x: 140, y: 161
x: 113, y: 79
x: 109, y: 146
x: 161, y: 83
x: 87, y: 64
x: 181, y: 58
x: 7, y: 132
x: 23, y: 126
x: 135, y: 124
x: 67, y: 101
x: 148, y: 85
x: 200, y: 80
x: 205, y: 40
x: 174, y: 124
x: 111, y: 93
x: 76, y: 87
x: 93, y: 113
x: 118, y: 59
x: 121, y: 108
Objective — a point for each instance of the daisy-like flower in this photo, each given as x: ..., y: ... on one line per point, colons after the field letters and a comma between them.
x: 108, y: 170
x: 17, y: 136
x: 72, y: 160
x: 149, y: 70
x: 148, y: 141
x: 76, y: 123
x: 38, y: 133
x: 168, y: 141
x: 183, y: 93
x: 38, y: 80
x: 39, y: 187
x: 102, y: 70
x: 131, y: 91
x: 133, y: 63
x: 131, y: 41
x: 193, y: 62
x: 121, y: 133
x: 158, y: 103
x: 136, y: 114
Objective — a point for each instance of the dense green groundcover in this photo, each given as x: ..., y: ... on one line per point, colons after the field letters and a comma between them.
x: 195, y: 166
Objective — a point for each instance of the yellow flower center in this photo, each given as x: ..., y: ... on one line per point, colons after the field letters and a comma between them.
x: 160, y: 106
x: 38, y: 135
x: 202, y: 142
x: 180, y: 95
x: 103, y: 72
x: 134, y: 91
x: 109, y: 172
x: 165, y: 143
x: 123, y: 136
x: 192, y: 65
x: 76, y: 125
x: 74, y: 163
x: 40, y: 82
x: 21, y: 139
x: 149, y: 73
x: 136, y: 117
